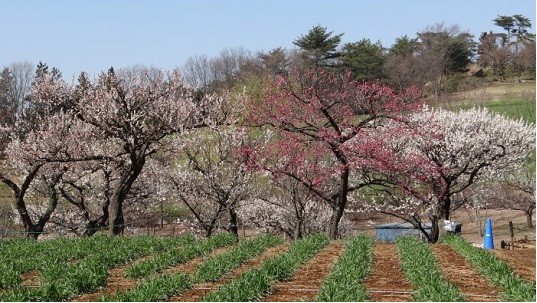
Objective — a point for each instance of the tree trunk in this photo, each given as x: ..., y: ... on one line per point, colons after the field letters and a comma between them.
x: 233, y: 227
x: 435, y: 231
x: 123, y: 187
x: 94, y: 225
x: 117, y: 222
x: 299, y: 226
x: 208, y: 228
x: 33, y: 231
x: 340, y: 205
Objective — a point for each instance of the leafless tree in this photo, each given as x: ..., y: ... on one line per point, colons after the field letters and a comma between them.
x: 22, y: 77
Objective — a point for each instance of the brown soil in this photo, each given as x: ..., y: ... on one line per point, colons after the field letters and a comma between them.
x: 305, y: 283
x: 387, y: 283
x: 202, y: 289
x: 522, y: 260
x: 458, y: 271
x: 31, y: 279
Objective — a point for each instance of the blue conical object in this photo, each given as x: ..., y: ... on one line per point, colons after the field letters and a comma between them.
x: 488, y: 240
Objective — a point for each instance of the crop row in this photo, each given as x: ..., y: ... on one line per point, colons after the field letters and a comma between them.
x: 178, y: 256
x: 421, y: 269
x: 60, y: 280
x: 159, y: 287
x: 23, y: 255
x: 497, y: 271
x: 342, y: 285
x: 257, y: 282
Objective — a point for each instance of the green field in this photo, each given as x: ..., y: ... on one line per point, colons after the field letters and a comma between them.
x: 514, y: 100
x: 65, y: 269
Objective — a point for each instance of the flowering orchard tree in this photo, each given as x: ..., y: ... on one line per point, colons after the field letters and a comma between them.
x: 131, y: 114
x: 87, y: 188
x: 516, y: 191
x: 33, y: 163
x: 315, y: 116
x: 290, y: 208
x: 438, y: 154
x: 211, y: 176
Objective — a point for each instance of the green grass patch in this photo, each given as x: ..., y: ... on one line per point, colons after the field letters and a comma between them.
x: 510, y: 108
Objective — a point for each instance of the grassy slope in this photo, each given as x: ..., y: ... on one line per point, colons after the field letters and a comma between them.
x: 515, y: 100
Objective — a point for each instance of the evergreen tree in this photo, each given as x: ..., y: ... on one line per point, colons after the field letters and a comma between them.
x: 320, y: 46
x: 364, y: 58
x: 403, y: 46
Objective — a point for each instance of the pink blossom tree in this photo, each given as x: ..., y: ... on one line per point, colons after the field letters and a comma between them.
x: 315, y: 116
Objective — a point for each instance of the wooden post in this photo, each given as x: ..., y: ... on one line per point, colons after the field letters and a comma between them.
x: 478, y: 223
x: 512, y: 233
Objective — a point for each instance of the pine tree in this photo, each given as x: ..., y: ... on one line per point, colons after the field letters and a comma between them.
x: 320, y: 46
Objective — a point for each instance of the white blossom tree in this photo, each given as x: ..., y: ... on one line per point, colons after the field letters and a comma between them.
x: 132, y: 114
x: 438, y: 154
x: 211, y: 177
x: 33, y: 163
x: 289, y: 207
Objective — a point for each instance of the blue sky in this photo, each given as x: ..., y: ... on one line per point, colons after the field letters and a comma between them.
x: 92, y: 35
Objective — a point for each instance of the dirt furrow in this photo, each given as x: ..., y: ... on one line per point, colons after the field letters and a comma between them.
x: 386, y: 282
x: 305, y: 283
x: 202, y: 289
x: 521, y: 260
x: 474, y: 286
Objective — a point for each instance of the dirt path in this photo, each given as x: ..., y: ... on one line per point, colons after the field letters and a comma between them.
x: 387, y: 283
x: 117, y: 282
x: 305, y: 283
x: 202, y: 289
x: 521, y: 260
x: 474, y: 286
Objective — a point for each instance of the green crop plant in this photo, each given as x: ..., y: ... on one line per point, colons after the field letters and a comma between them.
x: 61, y: 281
x: 497, y: 271
x: 421, y: 269
x: 255, y: 283
x: 159, y: 287
x: 179, y: 256
x: 154, y: 288
x: 20, y: 256
x: 343, y: 283
x: 214, y: 268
